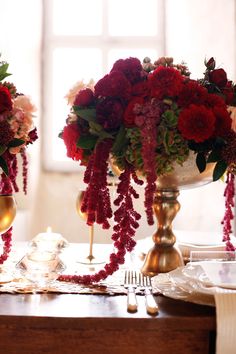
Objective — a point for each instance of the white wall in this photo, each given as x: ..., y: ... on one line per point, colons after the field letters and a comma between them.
x: 198, y: 29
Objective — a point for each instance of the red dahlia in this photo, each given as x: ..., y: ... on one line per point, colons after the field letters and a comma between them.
x: 129, y: 116
x: 191, y: 93
x: 196, y: 123
x: 223, y: 121
x: 5, y: 99
x: 70, y: 135
x: 213, y: 100
x: 165, y: 82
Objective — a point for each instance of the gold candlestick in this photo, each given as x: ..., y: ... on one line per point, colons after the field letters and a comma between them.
x: 90, y: 259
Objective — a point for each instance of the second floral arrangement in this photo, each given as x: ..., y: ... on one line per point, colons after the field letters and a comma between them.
x: 146, y: 118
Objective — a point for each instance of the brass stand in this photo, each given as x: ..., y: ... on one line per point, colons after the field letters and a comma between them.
x: 91, y: 235
x: 90, y: 259
x: 163, y: 256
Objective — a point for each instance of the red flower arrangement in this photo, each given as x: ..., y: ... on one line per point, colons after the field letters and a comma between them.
x: 147, y: 117
x: 16, y: 133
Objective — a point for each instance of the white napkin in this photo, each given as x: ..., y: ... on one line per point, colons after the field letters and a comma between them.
x: 226, y: 322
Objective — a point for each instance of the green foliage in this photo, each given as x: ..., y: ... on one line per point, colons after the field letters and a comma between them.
x: 201, y: 161
x: 16, y: 142
x: 2, y: 149
x: 219, y: 170
x: 121, y: 141
x: 4, y: 166
x: 3, y: 71
x: 87, y: 142
x: 88, y: 114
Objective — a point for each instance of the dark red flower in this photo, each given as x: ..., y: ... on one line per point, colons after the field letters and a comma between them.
x: 110, y: 113
x: 223, y: 121
x: 210, y: 64
x: 196, y: 123
x: 191, y: 93
x: 5, y: 99
x: 129, y: 116
x: 6, y: 134
x: 228, y: 151
x: 84, y: 97
x: 140, y: 89
x: 218, y: 77
x: 70, y: 135
x: 228, y: 93
x: 165, y: 82
x: 32, y: 136
x: 130, y: 67
x: 114, y: 85
x: 213, y: 100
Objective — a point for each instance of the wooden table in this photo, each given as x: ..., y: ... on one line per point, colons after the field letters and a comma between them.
x: 90, y: 324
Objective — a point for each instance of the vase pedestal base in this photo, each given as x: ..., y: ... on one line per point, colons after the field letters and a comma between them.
x: 161, y: 260
x: 163, y: 256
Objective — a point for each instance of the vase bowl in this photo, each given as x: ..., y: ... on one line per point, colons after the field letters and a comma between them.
x: 7, y: 212
x: 186, y: 176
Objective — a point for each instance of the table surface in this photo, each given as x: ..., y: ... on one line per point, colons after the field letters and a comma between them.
x: 53, y: 323
x: 76, y: 323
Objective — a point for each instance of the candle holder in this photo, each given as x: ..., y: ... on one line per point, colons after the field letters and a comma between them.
x: 49, y: 241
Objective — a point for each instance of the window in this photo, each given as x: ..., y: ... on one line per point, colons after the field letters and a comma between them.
x: 81, y: 41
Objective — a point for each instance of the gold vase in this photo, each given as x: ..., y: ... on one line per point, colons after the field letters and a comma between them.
x: 164, y: 256
x: 7, y: 212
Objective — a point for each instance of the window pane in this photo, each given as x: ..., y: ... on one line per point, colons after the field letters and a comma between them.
x: 133, y: 17
x: 116, y: 54
x: 70, y: 65
x: 77, y: 17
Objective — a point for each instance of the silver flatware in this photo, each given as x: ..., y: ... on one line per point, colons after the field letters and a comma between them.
x: 145, y: 284
x: 130, y: 284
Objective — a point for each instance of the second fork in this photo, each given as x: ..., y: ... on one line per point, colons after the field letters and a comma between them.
x: 146, y: 285
x: 130, y: 285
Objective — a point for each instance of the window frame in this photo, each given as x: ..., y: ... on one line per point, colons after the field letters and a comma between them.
x: 105, y: 42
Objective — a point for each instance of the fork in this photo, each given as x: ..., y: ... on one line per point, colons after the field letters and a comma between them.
x: 146, y: 285
x: 130, y: 285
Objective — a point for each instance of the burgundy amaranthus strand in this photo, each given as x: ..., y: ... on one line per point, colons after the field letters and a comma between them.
x: 229, y: 205
x: 150, y: 115
x: 25, y: 169
x: 6, y: 237
x: 8, y: 183
x: 96, y: 201
x: 126, y: 221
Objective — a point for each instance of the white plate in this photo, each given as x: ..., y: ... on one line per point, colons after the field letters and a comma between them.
x: 212, y: 273
x: 193, y: 287
x: 175, y: 286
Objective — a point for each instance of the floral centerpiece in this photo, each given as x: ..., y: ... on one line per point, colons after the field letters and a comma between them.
x: 16, y: 133
x: 146, y: 118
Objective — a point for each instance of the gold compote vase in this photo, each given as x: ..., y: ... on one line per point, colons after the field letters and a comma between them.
x: 164, y: 256
x: 7, y: 212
